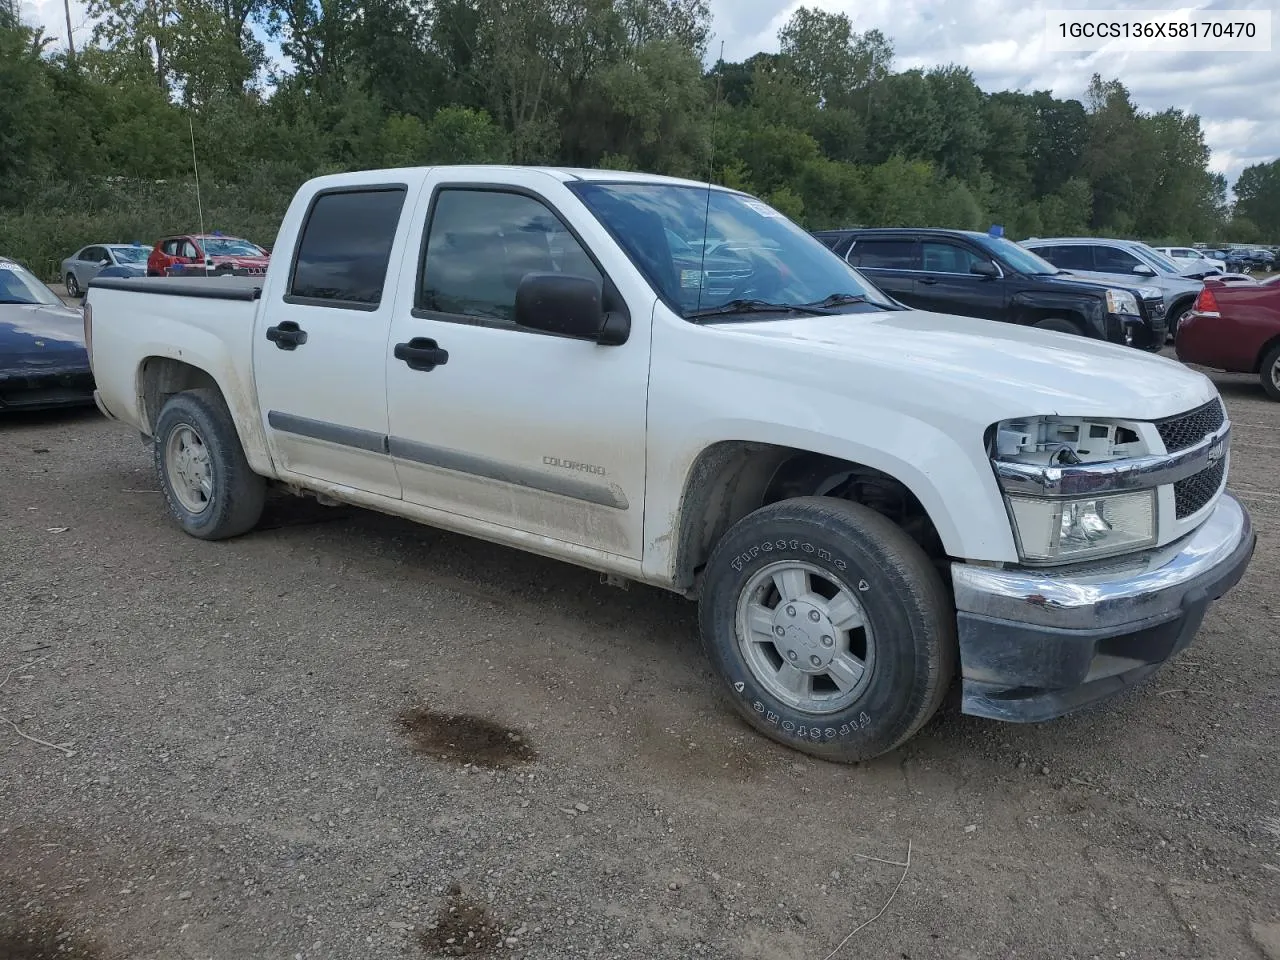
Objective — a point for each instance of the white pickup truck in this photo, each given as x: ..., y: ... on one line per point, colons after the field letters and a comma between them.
x: 674, y: 384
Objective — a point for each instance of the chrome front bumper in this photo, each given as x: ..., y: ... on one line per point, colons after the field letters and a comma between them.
x: 1036, y: 644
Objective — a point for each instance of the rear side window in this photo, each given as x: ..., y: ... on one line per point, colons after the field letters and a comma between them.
x: 1072, y: 257
x: 886, y: 254
x: 345, y: 248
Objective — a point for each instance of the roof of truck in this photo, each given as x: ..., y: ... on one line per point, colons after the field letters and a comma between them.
x: 563, y: 174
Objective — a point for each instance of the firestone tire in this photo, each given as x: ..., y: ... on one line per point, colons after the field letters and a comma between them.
x: 871, y: 589
x: 206, y: 479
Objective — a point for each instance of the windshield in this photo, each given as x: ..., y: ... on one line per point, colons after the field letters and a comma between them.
x: 18, y: 285
x: 230, y: 247
x: 761, y: 257
x: 1020, y: 258
x: 1156, y: 259
x: 130, y: 254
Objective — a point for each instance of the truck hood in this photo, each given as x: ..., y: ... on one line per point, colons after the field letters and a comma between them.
x: 914, y: 359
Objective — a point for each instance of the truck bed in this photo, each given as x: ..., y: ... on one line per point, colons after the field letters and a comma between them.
x: 209, y: 288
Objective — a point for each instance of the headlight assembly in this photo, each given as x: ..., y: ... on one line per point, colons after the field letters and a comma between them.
x: 1050, y: 531
x: 1122, y: 301
x: 1055, y: 525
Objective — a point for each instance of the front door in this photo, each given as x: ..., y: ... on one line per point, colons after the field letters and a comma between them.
x: 504, y: 424
x: 320, y: 346
x: 947, y: 283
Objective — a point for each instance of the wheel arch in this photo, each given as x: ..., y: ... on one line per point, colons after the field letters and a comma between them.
x: 1266, y: 348
x: 730, y: 479
x: 160, y: 377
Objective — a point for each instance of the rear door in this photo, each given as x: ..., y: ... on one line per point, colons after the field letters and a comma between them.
x: 320, y: 346
x: 890, y: 262
x: 946, y: 283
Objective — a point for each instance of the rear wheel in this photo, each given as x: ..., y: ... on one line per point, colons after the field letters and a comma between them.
x: 211, y: 490
x: 73, y: 286
x: 830, y: 627
x: 1269, y: 372
x: 1060, y: 325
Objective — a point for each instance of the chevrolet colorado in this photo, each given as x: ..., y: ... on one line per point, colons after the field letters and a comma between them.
x: 863, y: 498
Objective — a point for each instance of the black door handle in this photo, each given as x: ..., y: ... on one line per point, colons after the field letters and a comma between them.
x: 287, y: 335
x: 421, y: 353
x: 928, y: 281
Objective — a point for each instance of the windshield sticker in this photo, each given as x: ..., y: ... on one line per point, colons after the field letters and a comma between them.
x: 690, y: 279
x: 763, y: 209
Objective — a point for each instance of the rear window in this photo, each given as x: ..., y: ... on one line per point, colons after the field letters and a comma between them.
x: 345, y: 248
x: 886, y: 254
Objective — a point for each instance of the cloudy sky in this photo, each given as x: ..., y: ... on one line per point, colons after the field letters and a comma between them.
x: 1237, y: 95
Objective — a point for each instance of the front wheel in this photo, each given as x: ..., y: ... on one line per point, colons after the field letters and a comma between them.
x: 830, y: 627
x: 1269, y: 372
x: 211, y: 490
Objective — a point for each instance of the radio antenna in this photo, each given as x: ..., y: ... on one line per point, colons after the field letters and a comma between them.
x: 195, y: 168
x: 711, y: 169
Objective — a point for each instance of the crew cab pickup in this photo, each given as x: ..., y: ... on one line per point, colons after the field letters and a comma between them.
x: 979, y: 275
x: 864, y: 499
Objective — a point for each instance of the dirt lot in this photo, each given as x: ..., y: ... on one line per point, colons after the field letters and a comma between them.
x: 260, y: 768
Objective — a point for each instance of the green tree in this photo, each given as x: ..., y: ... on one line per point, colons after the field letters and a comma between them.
x: 1258, y: 200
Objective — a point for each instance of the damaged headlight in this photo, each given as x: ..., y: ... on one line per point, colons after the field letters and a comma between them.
x: 1031, y: 454
x: 1122, y: 301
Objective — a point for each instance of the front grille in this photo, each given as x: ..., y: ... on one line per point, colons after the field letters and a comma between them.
x: 1194, y: 493
x: 1188, y: 429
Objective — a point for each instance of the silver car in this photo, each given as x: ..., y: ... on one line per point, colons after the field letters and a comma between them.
x: 87, y: 262
x: 1103, y: 259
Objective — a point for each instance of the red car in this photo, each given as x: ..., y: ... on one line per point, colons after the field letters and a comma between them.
x: 1235, y: 327
x: 209, y: 253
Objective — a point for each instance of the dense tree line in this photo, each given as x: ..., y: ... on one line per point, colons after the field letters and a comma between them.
x: 97, y: 143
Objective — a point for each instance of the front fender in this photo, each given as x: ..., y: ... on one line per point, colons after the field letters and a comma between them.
x: 952, y: 480
x: 1070, y: 306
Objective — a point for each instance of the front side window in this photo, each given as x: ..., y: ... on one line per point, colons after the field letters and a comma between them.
x: 941, y: 257
x: 1114, y: 260
x: 345, y: 247
x: 728, y: 249
x: 482, y: 243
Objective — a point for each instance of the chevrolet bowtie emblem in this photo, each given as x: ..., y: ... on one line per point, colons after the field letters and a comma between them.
x: 1216, y: 453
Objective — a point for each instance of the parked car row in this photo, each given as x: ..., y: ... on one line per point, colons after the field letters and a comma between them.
x: 184, y: 255
x: 980, y: 275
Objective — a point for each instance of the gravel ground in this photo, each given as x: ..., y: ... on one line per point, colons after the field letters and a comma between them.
x: 346, y: 736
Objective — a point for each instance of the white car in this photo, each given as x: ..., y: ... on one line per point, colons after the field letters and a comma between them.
x: 865, y: 499
x: 1193, y: 257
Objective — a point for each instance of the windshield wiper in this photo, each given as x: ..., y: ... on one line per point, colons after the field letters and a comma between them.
x: 839, y: 300
x: 757, y: 306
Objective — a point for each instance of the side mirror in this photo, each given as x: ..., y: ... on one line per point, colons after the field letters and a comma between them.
x: 569, y: 306
x: 104, y: 263
x: 1143, y: 270
x: 985, y: 268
